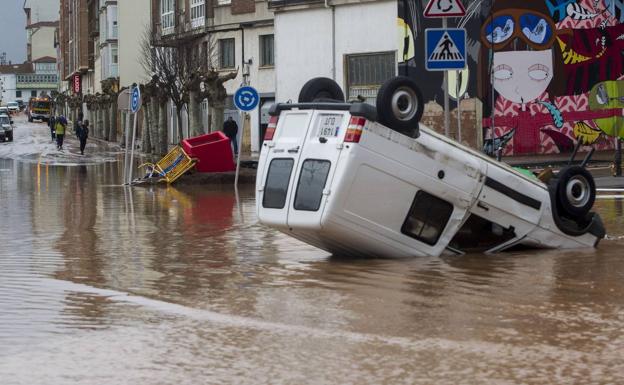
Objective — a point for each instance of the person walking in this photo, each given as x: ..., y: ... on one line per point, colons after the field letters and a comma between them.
x: 83, y: 133
x: 230, y: 129
x: 59, y: 127
x: 51, y: 124
x: 78, y: 124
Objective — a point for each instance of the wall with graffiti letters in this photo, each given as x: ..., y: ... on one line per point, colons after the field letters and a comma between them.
x: 542, y: 74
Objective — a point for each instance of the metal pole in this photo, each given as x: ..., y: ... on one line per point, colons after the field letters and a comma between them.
x: 618, y: 156
x: 447, y: 116
x: 127, y: 154
x: 130, y: 166
x: 238, y: 157
x: 459, y: 114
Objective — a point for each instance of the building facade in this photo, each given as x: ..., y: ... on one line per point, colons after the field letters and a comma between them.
x: 350, y: 42
x: 134, y: 21
x: 229, y: 36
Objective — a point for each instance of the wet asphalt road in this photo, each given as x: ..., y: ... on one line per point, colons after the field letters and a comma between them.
x: 101, y: 284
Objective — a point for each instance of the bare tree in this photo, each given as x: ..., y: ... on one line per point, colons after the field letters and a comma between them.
x: 187, y: 78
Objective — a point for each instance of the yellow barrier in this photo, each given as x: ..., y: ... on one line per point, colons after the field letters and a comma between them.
x: 171, y: 167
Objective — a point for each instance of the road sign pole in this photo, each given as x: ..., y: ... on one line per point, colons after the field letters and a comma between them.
x: 459, y: 114
x: 447, y: 116
x: 127, y: 154
x: 130, y: 166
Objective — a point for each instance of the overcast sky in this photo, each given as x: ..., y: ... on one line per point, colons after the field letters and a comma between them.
x: 12, y: 30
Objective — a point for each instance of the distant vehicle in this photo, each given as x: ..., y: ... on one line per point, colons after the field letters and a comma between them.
x: 363, y: 180
x: 39, y: 108
x: 21, y: 104
x: 4, y: 110
x: 6, y: 128
x: 13, y: 107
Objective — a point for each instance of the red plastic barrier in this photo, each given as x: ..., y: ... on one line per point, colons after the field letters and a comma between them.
x: 212, y: 151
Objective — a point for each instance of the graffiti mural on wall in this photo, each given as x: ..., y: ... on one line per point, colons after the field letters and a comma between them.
x: 546, y: 71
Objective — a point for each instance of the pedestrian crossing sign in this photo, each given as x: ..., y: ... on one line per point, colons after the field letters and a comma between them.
x: 445, y: 49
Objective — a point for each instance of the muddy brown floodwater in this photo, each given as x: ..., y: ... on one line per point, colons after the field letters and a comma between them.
x: 101, y: 284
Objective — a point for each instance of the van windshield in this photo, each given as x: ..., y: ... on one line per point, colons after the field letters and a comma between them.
x: 43, y: 105
x: 5, y: 120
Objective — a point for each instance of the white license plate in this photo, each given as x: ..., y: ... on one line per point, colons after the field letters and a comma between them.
x: 328, y: 125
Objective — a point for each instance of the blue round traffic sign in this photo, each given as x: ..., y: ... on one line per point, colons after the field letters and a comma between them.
x: 246, y: 99
x: 136, y: 99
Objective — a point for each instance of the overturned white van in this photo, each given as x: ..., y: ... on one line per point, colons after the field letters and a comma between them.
x: 355, y: 179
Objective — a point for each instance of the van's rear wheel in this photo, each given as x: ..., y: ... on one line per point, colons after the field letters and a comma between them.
x: 576, y: 191
x: 400, y: 105
x: 321, y: 88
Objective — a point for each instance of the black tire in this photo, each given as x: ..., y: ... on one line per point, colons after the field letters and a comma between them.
x: 400, y: 105
x: 576, y: 191
x: 30, y: 119
x: 321, y: 88
x: 10, y: 137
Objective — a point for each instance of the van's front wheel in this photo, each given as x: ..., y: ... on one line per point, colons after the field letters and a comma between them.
x: 400, y: 105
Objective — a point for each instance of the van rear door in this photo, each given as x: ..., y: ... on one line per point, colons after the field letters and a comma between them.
x: 317, y: 166
x: 279, y: 159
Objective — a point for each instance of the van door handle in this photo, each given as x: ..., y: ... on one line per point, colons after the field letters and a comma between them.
x: 294, y: 150
x: 483, y: 206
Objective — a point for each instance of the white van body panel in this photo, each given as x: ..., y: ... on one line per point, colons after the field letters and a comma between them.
x: 371, y: 186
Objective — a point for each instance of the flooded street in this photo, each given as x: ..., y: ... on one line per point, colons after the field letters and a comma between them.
x: 102, y: 284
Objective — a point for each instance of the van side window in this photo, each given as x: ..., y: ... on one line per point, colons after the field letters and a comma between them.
x: 427, y: 218
x: 479, y: 234
x: 276, y: 187
x: 311, y: 184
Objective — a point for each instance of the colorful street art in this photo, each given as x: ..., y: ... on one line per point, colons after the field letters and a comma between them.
x: 548, y: 73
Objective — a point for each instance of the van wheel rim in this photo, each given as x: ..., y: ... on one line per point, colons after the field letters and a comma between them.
x: 404, y: 103
x: 577, y: 191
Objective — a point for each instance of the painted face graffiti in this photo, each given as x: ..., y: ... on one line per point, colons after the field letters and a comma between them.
x: 522, y: 76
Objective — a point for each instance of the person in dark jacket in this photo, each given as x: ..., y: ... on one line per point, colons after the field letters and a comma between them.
x: 230, y: 129
x: 82, y: 132
x: 78, y: 124
x: 51, y: 124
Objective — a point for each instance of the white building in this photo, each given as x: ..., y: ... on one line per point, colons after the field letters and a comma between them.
x: 134, y: 20
x: 7, y: 87
x: 353, y: 42
x: 109, y: 32
x: 230, y: 35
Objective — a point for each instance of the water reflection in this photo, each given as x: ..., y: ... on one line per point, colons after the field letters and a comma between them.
x: 179, y: 284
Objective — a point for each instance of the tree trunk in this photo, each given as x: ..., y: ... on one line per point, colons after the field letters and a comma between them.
x: 106, y: 122
x: 217, y: 118
x: 162, y: 129
x: 112, y: 136
x: 195, y: 118
x: 153, y: 127
x: 146, y: 144
x: 94, y: 123
x: 180, y: 131
x: 123, y: 130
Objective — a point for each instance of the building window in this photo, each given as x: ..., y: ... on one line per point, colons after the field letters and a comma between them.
x: 18, y: 94
x: 167, y: 16
x: 226, y: 53
x: 33, y: 94
x: 367, y: 72
x: 427, y: 218
x: 112, y: 19
x: 198, y: 13
x: 267, y: 52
